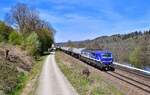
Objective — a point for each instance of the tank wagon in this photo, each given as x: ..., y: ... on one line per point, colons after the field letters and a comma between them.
x: 100, y: 59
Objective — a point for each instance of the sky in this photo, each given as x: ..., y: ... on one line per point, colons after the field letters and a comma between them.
x: 77, y: 20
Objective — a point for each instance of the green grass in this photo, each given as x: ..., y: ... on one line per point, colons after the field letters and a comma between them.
x: 94, y: 85
x: 22, y: 79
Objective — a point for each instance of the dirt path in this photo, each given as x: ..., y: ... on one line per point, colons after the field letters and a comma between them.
x: 52, y: 81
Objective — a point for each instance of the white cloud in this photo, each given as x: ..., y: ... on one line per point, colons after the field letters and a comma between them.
x: 6, y: 9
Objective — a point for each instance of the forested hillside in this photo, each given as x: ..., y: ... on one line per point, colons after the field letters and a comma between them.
x: 127, y: 48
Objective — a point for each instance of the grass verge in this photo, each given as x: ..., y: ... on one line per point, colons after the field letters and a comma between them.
x: 94, y: 85
x: 34, y: 75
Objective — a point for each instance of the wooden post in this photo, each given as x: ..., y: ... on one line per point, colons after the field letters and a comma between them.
x: 7, y: 53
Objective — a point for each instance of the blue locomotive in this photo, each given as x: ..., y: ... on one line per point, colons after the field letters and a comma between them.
x: 100, y: 59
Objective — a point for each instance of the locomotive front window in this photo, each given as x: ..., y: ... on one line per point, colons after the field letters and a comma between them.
x: 107, y: 55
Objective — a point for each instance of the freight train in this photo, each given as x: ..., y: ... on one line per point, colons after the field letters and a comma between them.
x: 99, y: 59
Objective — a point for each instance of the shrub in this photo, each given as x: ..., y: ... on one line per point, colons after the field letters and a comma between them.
x: 15, y: 38
x: 32, y: 44
x: 5, y: 30
x: 1, y: 38
x: 135, y: 56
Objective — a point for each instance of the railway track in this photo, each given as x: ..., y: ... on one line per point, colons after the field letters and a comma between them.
x: 131, y: 81
x: 133, y: 72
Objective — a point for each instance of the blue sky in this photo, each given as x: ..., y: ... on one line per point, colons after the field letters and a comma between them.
x: 86, y: 19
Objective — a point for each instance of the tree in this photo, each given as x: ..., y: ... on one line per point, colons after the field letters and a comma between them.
x: 135, y: 56
x: 45, y: 38
x: 140, y: 55
x: 23, y: 18
x: 18, y: 16
x: 33, y: 44
x: 28, y: 21
x: 5, y: 30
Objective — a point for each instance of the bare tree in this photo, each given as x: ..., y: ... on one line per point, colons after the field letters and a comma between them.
x: 18, y: 16
x: 27, y: 20
x: 23, y: 18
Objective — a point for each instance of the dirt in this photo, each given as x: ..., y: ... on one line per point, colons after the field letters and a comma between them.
x: 16, y: 55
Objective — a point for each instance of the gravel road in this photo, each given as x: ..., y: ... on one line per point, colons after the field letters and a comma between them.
x: 52, y: 81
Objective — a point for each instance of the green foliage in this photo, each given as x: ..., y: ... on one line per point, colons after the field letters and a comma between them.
x: 45, y: 38
x: 4, y: 31
x: 32, y: 44
x: 15, y: 38
x: 1, y: 38
x: 38, y: 42
x: 135, y: 56
x: 21, y: 81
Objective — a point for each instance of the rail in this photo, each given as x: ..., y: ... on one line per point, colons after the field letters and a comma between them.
x: 132, y: 68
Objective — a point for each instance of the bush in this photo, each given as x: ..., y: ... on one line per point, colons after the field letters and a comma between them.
x: 134, y: 57
x: 15, y: 38
x: 32, y: 44
x: 1, y: 38
x: 5, y: 31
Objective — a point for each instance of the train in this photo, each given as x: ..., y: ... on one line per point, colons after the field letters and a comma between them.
x: 102, y: 60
